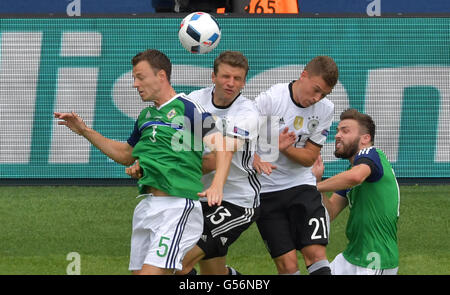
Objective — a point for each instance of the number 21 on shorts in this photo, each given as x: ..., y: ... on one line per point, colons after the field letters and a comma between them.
x: 317, y: 225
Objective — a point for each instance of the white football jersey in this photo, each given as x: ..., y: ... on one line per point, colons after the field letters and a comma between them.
x: 242, y: 187
x: 311, y: 123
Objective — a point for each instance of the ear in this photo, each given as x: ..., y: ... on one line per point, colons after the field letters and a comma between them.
x: 162, y: 75
x: 365, y: 139
x: 304, y: 74
x: 213, y: 77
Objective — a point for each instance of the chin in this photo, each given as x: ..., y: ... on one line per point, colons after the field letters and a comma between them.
x: 339, y: 155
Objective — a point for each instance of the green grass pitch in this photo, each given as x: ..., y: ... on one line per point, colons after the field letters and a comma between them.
x: 40, y: 226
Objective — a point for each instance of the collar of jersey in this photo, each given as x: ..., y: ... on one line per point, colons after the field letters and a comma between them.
x: 291, y: 94
x: 169, y: 101
x: 222, y: 107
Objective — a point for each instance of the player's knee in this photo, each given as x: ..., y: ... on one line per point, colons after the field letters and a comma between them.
x: 287, y: 265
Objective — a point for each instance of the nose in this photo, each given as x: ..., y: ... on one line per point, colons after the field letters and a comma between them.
x: 230, y: 82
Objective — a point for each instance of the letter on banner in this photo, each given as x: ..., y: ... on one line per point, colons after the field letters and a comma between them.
x: 19, y: 69
x: 385, y: 101
x: 77, y: 91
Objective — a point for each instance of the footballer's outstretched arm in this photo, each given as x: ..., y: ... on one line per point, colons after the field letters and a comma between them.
x: 335, y: 204
x: 116, y: 150
x: 344, y: 180
x: 224, y: 148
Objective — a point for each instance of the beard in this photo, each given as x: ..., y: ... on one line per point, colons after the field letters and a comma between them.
x: 348, y: 151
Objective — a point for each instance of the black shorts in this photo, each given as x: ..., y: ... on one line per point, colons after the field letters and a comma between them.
x: 222, y: 225
x: 292, y: 219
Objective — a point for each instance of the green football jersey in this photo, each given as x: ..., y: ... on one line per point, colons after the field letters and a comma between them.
x: 168, y: 143
x: 374, y: 211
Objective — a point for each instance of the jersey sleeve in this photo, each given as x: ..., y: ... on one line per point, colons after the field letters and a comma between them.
x: 244, y: 126
x: 198, y: 120
x: 135, y: 135
x: 371, y: 158
x: 263, y: 103
x: 320, y: 135
x: 343, y: 193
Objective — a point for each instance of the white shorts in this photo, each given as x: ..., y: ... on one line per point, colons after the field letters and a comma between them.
x: 340, y: 266
x: 164, y: 230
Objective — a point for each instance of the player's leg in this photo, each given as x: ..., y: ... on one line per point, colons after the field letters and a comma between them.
x: 191, y: 258
x: 275, y: 229
x: 316, y: 261
x: 164, y: 230
x: 222, y: 226
x: 214, y: 266
x: 217, y: 266
x: 287, y: 264
x: 310, y: 218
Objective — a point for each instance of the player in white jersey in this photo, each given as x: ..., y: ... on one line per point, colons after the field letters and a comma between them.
x: 292, y: 214
x: 240, y: 206
x: 242, y: 186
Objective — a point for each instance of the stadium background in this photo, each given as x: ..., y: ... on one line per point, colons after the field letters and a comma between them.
x: 395, y: 67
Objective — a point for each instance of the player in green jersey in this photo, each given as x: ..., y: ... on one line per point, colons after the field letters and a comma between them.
x: 371, y: 191
x: 167, y: 139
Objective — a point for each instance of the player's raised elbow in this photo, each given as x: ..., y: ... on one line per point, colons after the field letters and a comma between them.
x: 124, y: 155
x: 308, y: 162
x: 125, y: 158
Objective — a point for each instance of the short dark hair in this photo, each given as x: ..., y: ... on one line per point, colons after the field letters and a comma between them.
x: 325, y: 67
x: 156, y: 59
x: 232, y: 58
x: 364, y: 121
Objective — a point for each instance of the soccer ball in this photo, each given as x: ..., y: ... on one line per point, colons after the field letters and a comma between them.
x: 199, y: 32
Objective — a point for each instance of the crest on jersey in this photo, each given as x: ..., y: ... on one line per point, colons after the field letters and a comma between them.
x: 172, y: 113
x: 313, y: 123
x: 298, y: 123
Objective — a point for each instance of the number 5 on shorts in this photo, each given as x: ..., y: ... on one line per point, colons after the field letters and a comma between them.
x: 164, y: 246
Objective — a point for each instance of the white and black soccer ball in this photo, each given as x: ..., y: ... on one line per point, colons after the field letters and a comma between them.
x: 199, y: 32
